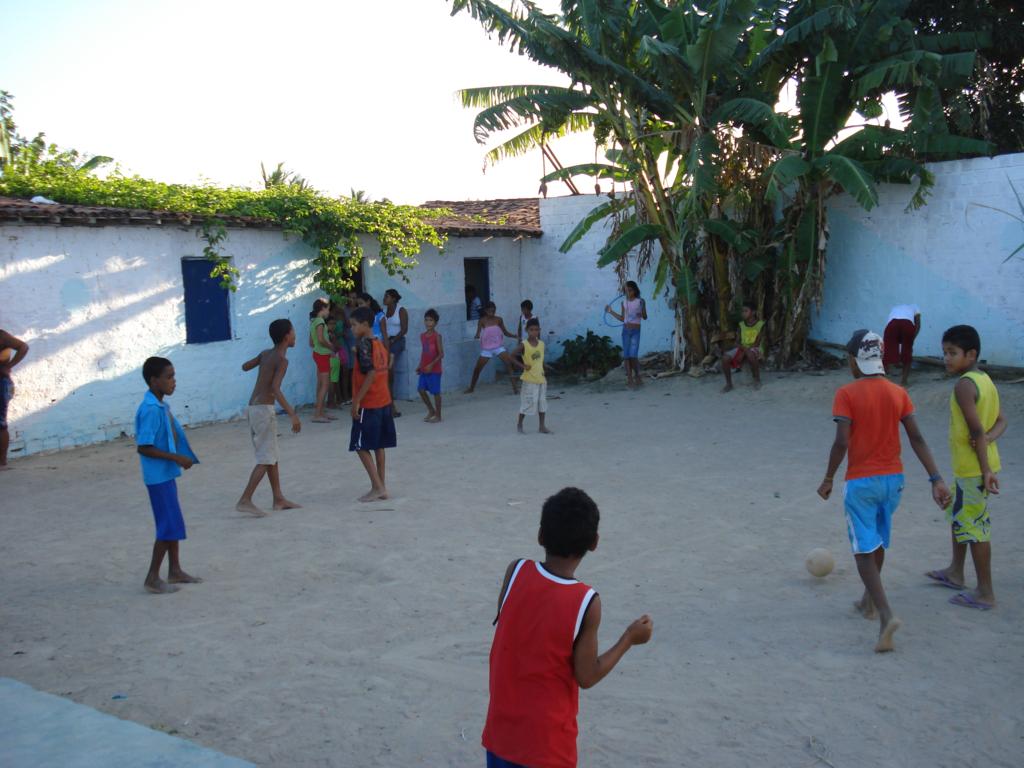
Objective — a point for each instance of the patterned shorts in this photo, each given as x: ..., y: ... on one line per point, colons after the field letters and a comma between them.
x: 968, y: 514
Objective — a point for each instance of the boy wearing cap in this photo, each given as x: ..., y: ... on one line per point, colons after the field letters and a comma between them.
x: 868, y: 413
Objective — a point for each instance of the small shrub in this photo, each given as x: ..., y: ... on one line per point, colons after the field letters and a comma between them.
x: 591, y: 353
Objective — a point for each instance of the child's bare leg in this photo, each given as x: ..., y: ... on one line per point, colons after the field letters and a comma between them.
x: 245, y: 503
x: 431, y: 413
x: 981, y: 554
x: 323, y: 380
x: 381, y: 473
x: 727, y: 372
x: 755, y: 369
x: 153, y: 582
x: 280, y: 502
x: 437, y: 407
x: 5, y: 441
x: 636, y: 372
x: 543, y: 429
x: 480, y: 363
x: 174, y: 573
x: 346, y: 385
x: 377, y: 490
x: 866, y: 605
x: 506, y: 358
x: 519, y: 424
x: 867, y: 567
x: 954, y: 572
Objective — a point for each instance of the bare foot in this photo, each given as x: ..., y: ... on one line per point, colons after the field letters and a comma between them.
x: 757, y: 384
x: 468, y: 391
x: 519, y: 429
x: 285, y: 504
x: 250, y: 509
x: 331, y: 418
x: 433, y: 419
x: 183, y: 578
x: 885, y: 643
x: 429, y: 417
x: 866, y: 608
x: 374, y: 494
x: 545, y: 431
x: 159, y: 587
x: 323, y: 420
x: 727, y: 388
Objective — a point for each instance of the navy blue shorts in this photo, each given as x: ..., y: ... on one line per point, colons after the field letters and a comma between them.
x: 373, y: 430
x: 493, y: 761
x: 430, y: 382
x: 6, y: 394
x: 170, y: 525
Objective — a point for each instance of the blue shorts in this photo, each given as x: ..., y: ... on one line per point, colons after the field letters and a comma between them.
x: 373, y: 430
x: 870, y: 503
x: 170, y: 525
x: 430, y: 382
x: 493, y: 761
x: 6, y: 393
x: 630, y: 343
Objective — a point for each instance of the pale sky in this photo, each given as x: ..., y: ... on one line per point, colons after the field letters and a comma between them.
x: 349, y: 93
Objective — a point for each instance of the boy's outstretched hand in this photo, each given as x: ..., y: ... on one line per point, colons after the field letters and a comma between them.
x: 639, y: 632
x: 825, y: 489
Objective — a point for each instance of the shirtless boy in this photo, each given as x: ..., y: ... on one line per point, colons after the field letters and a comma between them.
x: 273, y: 363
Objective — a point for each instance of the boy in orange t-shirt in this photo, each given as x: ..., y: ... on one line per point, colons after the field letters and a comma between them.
x: 373, y: 426
x: 868, y: 413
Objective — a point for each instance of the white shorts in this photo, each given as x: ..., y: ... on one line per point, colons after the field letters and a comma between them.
x: 489, y: 353
x: 533, y: 398
x: 263, y: 430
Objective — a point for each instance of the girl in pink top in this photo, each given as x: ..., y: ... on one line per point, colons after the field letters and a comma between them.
x: 491, y: 331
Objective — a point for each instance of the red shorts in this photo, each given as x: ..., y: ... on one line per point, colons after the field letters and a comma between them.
x: 898, y: 342
x: 323, y: 362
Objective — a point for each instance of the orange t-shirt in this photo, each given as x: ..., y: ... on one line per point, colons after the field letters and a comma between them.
x: 371, y: 356
x: 874, y: 407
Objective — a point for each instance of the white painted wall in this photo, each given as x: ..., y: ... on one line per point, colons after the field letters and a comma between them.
x: 94, y: 303
x: 948, y: 257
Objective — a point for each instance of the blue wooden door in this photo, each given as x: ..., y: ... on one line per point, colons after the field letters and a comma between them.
x: 207, y: 312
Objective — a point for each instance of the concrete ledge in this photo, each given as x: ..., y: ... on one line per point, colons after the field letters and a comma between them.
x: 40, y: 729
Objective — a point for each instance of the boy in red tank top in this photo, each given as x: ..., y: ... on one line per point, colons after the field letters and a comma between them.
x: 545, y: 646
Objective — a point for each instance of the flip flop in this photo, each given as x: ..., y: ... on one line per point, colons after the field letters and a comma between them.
x: 940, y: 577
x: 966, y: 600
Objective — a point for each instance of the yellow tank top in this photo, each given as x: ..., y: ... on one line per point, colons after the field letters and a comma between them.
x: 748, y: 333
x: 965, y: 458
x: 534, y: 357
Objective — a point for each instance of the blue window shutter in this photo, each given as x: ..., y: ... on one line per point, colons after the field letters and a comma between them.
x: 207, y: 315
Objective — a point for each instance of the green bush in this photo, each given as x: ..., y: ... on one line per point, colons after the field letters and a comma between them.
x: 592, y: 353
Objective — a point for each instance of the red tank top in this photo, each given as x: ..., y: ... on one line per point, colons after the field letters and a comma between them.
x: 531, y: 719
x: 429, y: 344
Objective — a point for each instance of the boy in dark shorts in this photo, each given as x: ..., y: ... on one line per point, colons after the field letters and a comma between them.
x: 163, y: 452
x: 262, y: 416
x: 545, y: 646
x: 373, y: 426
x: 868, y: 413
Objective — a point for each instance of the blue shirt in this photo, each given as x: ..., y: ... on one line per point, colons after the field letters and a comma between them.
x: 156, y: 426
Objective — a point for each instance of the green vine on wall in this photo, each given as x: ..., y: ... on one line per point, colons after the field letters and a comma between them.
x: 330, y: 225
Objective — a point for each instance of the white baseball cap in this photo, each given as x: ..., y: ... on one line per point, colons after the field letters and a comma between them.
x: 866, y: 347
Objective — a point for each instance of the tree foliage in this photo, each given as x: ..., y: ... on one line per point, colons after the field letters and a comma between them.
x: 682, y: 97
x: 990, y: 106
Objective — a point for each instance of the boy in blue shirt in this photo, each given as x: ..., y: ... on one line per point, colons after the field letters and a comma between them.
x: 163, y: 452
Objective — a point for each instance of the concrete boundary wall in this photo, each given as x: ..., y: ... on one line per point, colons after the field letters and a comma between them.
x: 949, y: 258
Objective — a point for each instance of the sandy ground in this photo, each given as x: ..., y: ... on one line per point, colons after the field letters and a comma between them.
x: 347, y: 634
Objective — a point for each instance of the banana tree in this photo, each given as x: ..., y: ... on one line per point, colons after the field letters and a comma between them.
x: 842, y: 57
x: 645, y: 77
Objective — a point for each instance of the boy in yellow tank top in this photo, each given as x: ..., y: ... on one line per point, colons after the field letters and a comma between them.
x: 529, y: 356
x: 976, y: 422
